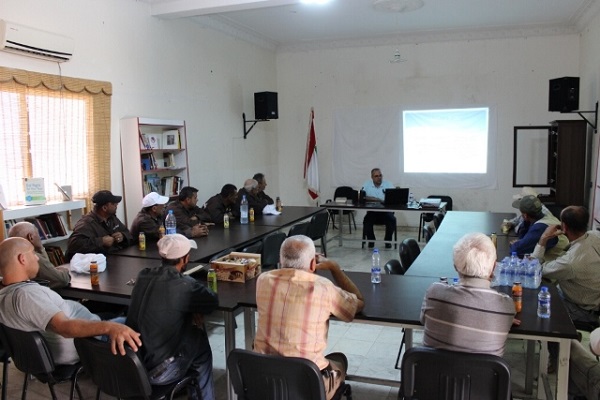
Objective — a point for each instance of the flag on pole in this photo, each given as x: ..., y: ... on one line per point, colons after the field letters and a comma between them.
x: 311, y: 164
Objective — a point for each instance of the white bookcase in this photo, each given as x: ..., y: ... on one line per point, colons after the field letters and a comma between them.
x: 154, y: 158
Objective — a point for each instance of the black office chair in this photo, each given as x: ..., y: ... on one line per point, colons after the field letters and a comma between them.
x: 270, y: 250
x: 394, y: 267
x: 257, y: 376
x: 299, y: 229
x: 318, y: 230
x: 348, y: 193
x: 439, y: 374
x: 438, y: 217
x: 427, y: 217
x: 409, y: 251
x: 31, y: 355
x: 125, y: 377
x: 254, y: 248
x: 5, y: 359
x: 427, y: 233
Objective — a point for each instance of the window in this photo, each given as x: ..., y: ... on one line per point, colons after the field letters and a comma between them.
x: 53, y: 127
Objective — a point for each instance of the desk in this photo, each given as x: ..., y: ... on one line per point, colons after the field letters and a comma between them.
x: 374, y: 208
x: 289, y: 216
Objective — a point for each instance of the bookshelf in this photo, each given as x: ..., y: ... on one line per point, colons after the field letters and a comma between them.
x: 154, y: 159
x: 55, y: 209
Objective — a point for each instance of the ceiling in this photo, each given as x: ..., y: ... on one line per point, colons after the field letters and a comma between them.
x: 289, y: 25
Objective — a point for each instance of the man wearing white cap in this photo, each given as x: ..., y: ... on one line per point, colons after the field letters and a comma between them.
x: 167, y: 309
x: 150, y: 218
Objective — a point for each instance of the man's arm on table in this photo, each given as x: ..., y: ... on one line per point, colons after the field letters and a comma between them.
x: 341, y: 279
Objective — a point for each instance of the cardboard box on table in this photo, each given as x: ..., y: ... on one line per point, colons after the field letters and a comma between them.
x: 237, y: 271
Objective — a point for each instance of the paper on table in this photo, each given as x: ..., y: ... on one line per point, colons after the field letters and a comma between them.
x: 270, y: 209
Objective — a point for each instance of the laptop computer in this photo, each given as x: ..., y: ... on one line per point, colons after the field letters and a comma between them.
x: 396, y: 197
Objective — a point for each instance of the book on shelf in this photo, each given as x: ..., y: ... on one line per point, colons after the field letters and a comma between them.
x: 154, y: 140
x: 55, y: 255
x: 144, y: 145
x: 49, y: 225
x: 35, y: 191
x: 169, y: 160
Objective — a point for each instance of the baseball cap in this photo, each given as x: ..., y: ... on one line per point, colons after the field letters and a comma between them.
x: 529, y: 205
x: 105, y: 196
x: 153, y: 198
x: 175, y: 246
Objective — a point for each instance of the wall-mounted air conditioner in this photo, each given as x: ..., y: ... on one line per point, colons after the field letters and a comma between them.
x: 33, y: 42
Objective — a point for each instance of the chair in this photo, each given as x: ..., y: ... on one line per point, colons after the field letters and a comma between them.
x: 438, y: 217
x: 31, y: 355
x: 270, y: 250
x: 5, y: 359
x: 409, y: 251
x: 393, y: 267
x: 439, y: 374
x: 349, y: 193
x: 299, y: 229
x: 318, y: 229
x: 124, y: 376
x: 255, y: 248
x: 257, y: 376
x: 427, y: 233
x: 427, y: 217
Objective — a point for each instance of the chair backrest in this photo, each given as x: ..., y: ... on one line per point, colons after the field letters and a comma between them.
x: 444, y: 198
x: 394, y: 267
x: 29, y: 351
x: 439, y: 374
x: 438, y: 217
x: 255, y: 248
x: 222, y: 253
x: 267, y: 377
x: 427, y: 233
x: 270, y: 250
x: 116, y: 375
x: 409, y: 251
x: 318, y: 226
x: 347, y: 192
x: 299, y: 229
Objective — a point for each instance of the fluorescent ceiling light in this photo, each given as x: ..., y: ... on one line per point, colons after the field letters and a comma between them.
x: 314, y: 1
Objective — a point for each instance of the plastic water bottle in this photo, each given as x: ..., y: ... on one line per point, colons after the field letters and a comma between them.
x: 537, y: 277
x: 170, y: 223
x: 503, y: 273
x: 543, y: 308
x: 244, y: 210
x: 411, y: 199
x: 375, y: 267
x: 513, y: 268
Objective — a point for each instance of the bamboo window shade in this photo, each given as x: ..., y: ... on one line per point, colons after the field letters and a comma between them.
x: 53, y: 127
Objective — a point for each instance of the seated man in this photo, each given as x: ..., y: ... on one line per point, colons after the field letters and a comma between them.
x: 577, y: 272
x: 151, y: 217
x: 262, y: 184
x: 250, y: 190
x: 28, y: 306
x: 221, y: 203
x: 191, y: 219
x: 584, y: 368
x: 470, y: 317
x: 57, y: 277
x: 517, y: 223
x: 167, y: 309
x: 294, y: 305
x: 100, y: 231
x: 535, y: 222
x: 374, y: 192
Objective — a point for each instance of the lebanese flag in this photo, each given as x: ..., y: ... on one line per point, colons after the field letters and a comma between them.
x: 311, y: 164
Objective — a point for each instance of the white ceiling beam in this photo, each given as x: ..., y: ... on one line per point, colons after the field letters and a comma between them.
x: 192, y: 8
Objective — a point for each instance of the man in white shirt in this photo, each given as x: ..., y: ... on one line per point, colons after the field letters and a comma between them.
x: 374, y: 192
x: 584, y: 368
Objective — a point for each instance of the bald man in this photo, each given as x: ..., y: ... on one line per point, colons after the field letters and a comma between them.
x: 58, y: 277
x: 28, y: 306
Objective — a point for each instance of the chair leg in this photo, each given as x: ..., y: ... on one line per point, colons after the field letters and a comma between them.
x: 25, y: 383
x: 5, y: 378
x: 395, y: 237
x: 324, y: 245
x: 402, y: 342
x: 52, y: 392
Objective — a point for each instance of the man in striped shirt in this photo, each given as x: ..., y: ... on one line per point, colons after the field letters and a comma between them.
x: 469, y: 317
x: 294, y: 306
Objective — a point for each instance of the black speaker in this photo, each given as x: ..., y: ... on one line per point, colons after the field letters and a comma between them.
x: 265, y: 105
x: 564, y: 94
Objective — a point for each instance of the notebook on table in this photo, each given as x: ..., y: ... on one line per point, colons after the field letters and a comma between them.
x: 396, y: 197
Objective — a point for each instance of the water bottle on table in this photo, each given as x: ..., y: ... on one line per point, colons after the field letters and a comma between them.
x: 171, y: 223
x: 244, y: 210
x: 375, y: 267
x: 543, y: 309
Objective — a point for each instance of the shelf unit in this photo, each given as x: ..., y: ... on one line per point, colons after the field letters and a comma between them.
x: 60, y: 207
x: 162, y: 168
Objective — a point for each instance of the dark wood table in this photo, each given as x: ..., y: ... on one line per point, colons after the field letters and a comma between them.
x: 289, y: 216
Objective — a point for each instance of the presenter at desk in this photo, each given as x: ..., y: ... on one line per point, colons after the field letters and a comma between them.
x: 374, y: 192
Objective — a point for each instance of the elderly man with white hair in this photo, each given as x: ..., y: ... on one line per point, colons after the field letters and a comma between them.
x: 251, y: 190
x: 470, y: 317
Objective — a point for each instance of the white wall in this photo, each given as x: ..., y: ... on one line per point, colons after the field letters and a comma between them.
x: 165, y: 69
x: 510, y: 74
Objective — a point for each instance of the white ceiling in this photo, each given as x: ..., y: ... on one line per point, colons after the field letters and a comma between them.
x: 289, y: 25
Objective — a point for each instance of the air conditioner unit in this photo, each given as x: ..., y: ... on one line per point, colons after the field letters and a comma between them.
x: 33, y: 42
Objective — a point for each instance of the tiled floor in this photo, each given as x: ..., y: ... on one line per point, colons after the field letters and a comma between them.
x: 371, y: 349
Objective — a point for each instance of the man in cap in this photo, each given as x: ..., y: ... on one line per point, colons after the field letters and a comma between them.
x: 100, y: 231
x: 220, y: 204
x: 517, y: 222
x: 57, y: 277
x: 534, y: 225
x: 191, y: 220
x: 167, y: 308
x: 151, y: 217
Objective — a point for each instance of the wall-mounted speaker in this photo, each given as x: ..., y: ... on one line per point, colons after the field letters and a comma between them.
x: 564, y: 94
x: 265, y: 105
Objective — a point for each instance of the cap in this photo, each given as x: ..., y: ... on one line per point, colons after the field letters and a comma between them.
x: 105, y: 196
x: 175, y: 246
x: 153, y: 198
x: 529, y: 205
x: 525, y: 191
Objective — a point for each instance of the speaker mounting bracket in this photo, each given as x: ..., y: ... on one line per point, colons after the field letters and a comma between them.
x: 594, y: 125
x: 246, y: 122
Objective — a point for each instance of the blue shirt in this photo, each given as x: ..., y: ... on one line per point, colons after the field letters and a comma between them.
x: 372, y: 191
